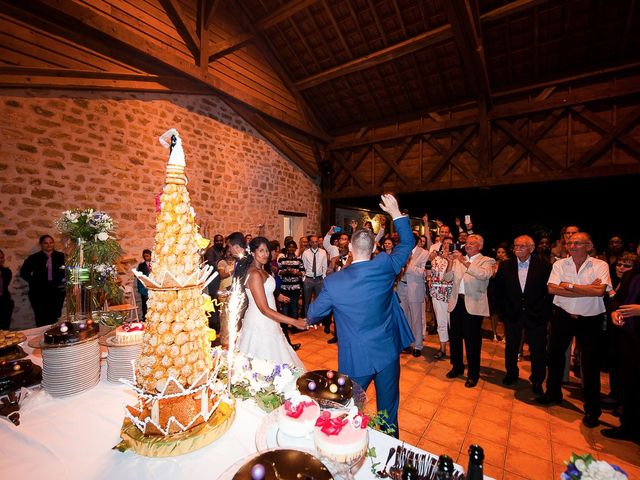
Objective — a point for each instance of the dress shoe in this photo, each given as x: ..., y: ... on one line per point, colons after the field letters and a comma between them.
x: 327, y: 330
x: 296, y: 346
x: 453, y: 373
x: 537, y: 389
x: 547, y: 399
x: 471, y: 382
x: 509, y: 380
x: 621, y: 433
x: 439, y: 354
x: 417, y: 353
x: 590, y: 421
x: 333, y: 340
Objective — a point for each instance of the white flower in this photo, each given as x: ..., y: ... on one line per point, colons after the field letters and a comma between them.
x: 102, y: 236
x: 284, y: 381
x: 262, y: 367
x: 581, y: 465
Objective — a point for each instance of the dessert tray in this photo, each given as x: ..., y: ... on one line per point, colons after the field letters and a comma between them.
x: 344, y: 396
x: 270, y: 437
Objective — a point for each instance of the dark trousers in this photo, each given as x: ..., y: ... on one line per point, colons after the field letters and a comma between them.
x: 629, y: 358
x: 291, y: 309
x: 387, y: 390
x: 143, y: 303
x: 6, y: 310
x: 465, y: 327
x: 587, y: 332
x: 47, y: 302
x: 212, y: 291
x: 312, y: 287
x: 536, y: 334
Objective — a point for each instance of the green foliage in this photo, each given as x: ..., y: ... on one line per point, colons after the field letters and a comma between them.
x: 379, y: 422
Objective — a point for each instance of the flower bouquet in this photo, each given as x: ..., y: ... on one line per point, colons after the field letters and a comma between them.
x: 264, y: 381
x: 92, y: 251
x: 585, y: 467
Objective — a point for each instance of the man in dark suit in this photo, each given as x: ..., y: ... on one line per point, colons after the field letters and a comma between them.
x: 373, y: 328
x: 525, y: 304
x: 44, y: 272
x: 145, y: 268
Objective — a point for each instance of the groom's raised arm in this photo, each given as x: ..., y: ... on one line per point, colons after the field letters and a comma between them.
x: 402, y: 251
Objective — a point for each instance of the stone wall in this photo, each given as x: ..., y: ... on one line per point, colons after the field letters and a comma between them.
x: 66, y: 149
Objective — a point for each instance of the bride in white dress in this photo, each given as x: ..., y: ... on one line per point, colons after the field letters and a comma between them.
x: 261, y: 335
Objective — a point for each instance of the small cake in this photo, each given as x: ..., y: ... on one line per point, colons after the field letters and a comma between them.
x: 281, y: 464
x: 71, y: 332
x: 9, y: 339
x: 18, y: 373
x: 327, y: 387
x: 298, y: 416
x: 342, y: 438
x: 129, y: 333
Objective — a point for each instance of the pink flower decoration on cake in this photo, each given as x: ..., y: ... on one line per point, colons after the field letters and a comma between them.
x: 330, y: 426
x: 295, y: 410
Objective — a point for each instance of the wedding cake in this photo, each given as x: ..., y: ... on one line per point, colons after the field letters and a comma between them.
x: 180, y: 396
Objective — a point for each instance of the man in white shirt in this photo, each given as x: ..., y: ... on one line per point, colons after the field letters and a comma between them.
x: 468, y: 306
x: 443, y: 232
x: 315, y: 264
x: 578, y: 283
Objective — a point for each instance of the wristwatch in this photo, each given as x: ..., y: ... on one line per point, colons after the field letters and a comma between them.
x: 570, y: 286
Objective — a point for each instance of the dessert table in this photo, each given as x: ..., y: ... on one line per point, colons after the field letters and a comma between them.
x: 73, y: 437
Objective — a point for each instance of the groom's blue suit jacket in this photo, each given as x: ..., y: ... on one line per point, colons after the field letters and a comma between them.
x: 372, y: 329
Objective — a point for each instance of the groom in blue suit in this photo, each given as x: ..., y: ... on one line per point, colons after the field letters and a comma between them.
x: 372, y: 329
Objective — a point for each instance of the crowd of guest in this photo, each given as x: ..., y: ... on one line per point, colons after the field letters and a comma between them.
x: 563, y: 299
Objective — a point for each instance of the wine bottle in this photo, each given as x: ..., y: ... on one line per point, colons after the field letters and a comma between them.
x: 409, y: 471
x: 445, y: 468
x: 475, y: 467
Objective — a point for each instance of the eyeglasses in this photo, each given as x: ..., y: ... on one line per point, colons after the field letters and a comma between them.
x: 522, y: 247
x: 625, y: 265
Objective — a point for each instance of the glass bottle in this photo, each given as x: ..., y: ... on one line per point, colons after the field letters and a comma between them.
x: 475, y: 467
x: 409, y: 471
x: 445, y: 468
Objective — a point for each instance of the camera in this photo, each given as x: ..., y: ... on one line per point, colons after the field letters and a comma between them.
x: 337, y: 229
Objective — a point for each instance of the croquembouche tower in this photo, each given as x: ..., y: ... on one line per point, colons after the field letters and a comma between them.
x: 182, y: 404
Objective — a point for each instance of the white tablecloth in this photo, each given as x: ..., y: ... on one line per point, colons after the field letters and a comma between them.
x: 72, y: 438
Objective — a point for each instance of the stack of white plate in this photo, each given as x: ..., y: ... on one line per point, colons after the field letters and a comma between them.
x: 120, y: 359
x: 71, y: 369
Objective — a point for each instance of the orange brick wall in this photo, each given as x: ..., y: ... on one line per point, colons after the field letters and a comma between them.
x: 66, y: 149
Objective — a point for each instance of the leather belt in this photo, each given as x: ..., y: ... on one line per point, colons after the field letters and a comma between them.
x: 313, y: 278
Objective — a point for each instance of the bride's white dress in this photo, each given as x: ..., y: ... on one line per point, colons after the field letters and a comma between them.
x: 261, y: 337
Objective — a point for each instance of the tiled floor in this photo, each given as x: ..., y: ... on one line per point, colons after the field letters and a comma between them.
x: 521, y: 439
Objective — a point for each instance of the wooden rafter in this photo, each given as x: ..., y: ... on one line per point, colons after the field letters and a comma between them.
x: 203, y: 32
x: 595, y: 121
x: 408, y: 46
x: 529, y: 145
x: 345, y: 163
x: 210, y: 11
x: 628, y: 121
x: 468, y: 38
x: 354, y: 165
x: 183, y: 26
x: 391, y: 164
x: 119, y: 41
x: 521, y: 149
x: 229, y: 46
x: 283, y: 13
x: 397, y: 158
x: 466, y: 134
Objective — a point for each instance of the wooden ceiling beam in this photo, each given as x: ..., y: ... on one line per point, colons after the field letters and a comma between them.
x: 351, y: 169
x: 229, y: 46
x: 398, y: 156
x: 105, y: 34
x: 529, y: 145
x: 283, y: 13
x: 602, y: 126
x: 626, y: 123
x: 203, y: 32
x: 408, y: 46
x: 183, y: 26
x: 390, y: 163
x: 466, y: 134
x: 210, y: 12
x: 375, y: 58
x: 351, y: 173
x: 468, y: 39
